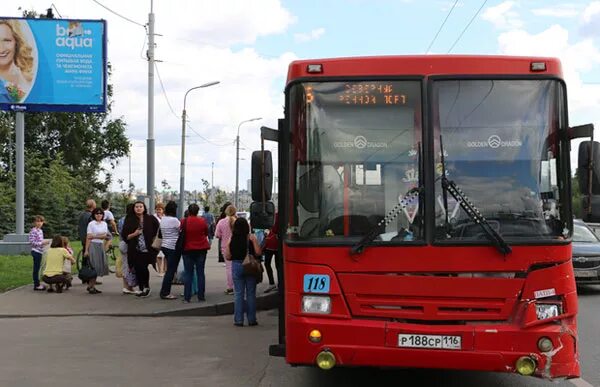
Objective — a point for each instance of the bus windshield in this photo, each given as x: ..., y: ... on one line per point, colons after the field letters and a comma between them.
x: 356, y: 146
x: 357, y: 151
x: 501, y: 146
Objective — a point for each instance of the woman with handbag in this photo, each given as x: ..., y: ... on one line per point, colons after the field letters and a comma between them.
x: 140, y: 231
x: 242, y: 251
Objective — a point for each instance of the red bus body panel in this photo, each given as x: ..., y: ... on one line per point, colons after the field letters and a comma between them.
x: 391, y: 283
x: 472, y: 291
x: 424, y: 65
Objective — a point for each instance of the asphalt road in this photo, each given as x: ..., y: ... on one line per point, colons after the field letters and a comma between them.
x: 210, y: 351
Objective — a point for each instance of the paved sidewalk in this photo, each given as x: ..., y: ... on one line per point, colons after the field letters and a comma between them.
x: 24, y: 302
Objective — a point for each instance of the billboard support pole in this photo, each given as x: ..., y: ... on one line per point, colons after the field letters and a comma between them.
x: 20, y: 193
x: 150, y: 142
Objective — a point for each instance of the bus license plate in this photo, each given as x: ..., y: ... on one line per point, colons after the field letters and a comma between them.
x: 585, y: 273
x: 429, y: 341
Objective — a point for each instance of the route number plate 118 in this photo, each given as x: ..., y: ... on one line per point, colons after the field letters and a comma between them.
x: 429, y: 341
x: 316, y: 283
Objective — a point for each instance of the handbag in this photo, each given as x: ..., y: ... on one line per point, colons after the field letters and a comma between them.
x: 180, y: 240
x: 119, y: 267
x: 157, y: 241
x: 251, y: 265
x: 86, y: 271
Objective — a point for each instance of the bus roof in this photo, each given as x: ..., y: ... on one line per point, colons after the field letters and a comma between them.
x: 424, y: 65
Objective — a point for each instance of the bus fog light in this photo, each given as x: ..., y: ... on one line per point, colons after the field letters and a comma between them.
x: 325, y: 360
x: 315, y: 336
x: 545, y: 344
x: 525, y: 366
x: 316, y: 304
x: 545, y: 311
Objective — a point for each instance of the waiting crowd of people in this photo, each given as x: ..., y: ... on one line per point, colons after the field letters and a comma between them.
x: 162, y: 241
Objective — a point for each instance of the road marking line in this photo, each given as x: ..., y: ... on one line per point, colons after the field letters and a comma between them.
x: 580, y: 382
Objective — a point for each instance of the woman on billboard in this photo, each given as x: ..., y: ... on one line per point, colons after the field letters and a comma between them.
x: 16, y: 62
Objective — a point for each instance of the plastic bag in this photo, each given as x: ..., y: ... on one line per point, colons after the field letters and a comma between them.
x: 179, y: 274
x: 119, y: 266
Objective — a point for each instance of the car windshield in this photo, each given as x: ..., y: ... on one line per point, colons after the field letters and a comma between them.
x: 583, y: 233
x: 356, y: 155
x: 502, y: 149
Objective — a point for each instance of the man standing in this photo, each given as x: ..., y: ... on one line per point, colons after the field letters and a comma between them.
x: 84, y: 218
x: 210, y: 221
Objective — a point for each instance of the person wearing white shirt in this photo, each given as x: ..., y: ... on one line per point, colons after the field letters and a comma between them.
x: 97, y: 233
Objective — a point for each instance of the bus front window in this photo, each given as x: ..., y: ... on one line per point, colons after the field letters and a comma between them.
x: 502, y: 147
x: 355, y: 148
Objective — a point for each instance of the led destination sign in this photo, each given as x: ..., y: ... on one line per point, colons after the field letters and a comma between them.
x: 360, y: 93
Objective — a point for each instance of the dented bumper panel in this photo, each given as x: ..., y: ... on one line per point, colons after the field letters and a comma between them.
x: 483, y: 347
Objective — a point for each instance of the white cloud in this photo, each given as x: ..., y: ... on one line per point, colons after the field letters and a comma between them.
x: 307, y: 37
x: 502, y: 16
x: 577, y: 58
x: 590, y: 24
x: 558, y: 10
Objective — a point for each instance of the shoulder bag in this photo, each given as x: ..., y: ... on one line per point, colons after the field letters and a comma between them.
x: 157, y: 241
x: 251, y: 265
x: 181, y: 240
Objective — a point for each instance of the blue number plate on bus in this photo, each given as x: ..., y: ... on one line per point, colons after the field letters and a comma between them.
x: 316, y: 283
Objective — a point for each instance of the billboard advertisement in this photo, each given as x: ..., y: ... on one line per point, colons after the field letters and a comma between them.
x: 52, y: 65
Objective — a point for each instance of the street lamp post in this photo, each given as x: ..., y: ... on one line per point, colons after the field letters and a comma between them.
x: 237, y: 159
x: 182, y: 165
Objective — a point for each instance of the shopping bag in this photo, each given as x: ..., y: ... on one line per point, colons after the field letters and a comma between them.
x: 119, y: 266
x: 179, y: 274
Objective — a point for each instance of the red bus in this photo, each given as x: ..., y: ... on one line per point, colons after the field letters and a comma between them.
x: 425, y: 215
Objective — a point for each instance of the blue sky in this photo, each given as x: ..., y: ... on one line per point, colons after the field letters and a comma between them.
x: 247, y: 45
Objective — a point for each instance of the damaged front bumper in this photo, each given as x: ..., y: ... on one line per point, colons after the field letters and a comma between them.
x: 484, y: 347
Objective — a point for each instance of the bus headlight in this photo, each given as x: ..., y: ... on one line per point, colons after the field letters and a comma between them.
x: 545, y: 311
x: 316, y: 304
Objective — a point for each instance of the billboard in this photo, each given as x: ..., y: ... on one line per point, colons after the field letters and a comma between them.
x: 52, y: 65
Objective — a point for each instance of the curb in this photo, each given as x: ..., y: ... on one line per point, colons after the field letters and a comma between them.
x: 13, y: 289
x: 267, y: 302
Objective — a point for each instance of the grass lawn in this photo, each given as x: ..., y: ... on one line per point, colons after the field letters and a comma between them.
x: 15, y: 270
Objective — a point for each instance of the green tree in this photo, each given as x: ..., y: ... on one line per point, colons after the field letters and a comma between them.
x: 213, y: 197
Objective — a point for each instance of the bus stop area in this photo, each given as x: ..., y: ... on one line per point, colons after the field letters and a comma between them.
x: 24, y: 302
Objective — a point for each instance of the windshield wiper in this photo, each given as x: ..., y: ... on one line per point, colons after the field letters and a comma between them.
x: 359, y: 247
x: 379, y: 228
x: 448, y: 186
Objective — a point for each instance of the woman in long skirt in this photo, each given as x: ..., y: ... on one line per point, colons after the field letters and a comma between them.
x: 97, y: 232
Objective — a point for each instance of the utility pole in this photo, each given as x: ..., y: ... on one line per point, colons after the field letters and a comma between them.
x: 182, y: 165
x: 129, y: 186
x: 150, y: 141
x: 212, y: 176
